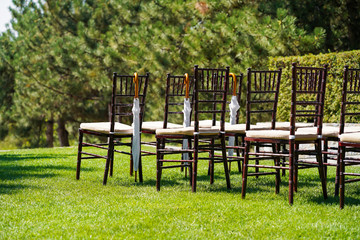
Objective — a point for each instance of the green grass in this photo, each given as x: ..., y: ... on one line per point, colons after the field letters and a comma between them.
x: 40, y: 199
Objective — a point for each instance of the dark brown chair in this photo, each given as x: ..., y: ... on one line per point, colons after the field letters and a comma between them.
x: 121, y: 115
x: 209, y: 102
x: 307, y: 102
x: 349, y: 141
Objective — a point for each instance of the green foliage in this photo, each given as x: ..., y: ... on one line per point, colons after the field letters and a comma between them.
x: 336, y: 62
x: 64, y: 52
x: 40, y: 199
x: 339, y: 19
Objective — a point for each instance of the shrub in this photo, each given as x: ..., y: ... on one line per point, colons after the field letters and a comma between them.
x: 336, y: 62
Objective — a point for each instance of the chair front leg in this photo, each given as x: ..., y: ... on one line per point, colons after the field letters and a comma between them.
x: 78, y: 166
x: 108, y: 159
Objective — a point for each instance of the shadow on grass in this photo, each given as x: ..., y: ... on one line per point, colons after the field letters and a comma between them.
x: 12, y: 170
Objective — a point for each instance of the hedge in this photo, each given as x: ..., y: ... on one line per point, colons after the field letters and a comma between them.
x: 336, y: 62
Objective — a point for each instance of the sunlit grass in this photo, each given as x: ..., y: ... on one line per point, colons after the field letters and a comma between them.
x: 40, y: 198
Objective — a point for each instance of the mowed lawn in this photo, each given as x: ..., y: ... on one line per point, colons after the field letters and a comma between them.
x: 41, y: 199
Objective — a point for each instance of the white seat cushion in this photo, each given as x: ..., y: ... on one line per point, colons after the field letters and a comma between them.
x: 153, y: 125
x: 350, y: 137
x: 284, y: 125
x: 280, y: 134
x: 330, y: 131
x: 238, y: 128
x: 205, y: 123
x: 186, y: 131
x: 104, y: 127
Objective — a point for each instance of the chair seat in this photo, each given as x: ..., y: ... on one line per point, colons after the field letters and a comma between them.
x: 153, y: 125
x: 205, y: 123
x: 350, y: 137
x: 330, y: 131
x: 280, y: 134
x: 238, y: 128
x: 284, y: 125
x: 186, y: 131
x: 104, y: 127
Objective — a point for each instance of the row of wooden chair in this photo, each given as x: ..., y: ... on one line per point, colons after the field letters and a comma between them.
x: 207, y: 93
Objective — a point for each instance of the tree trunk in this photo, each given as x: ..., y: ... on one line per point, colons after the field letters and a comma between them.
x: 50, y: 133
x: 62, y: 133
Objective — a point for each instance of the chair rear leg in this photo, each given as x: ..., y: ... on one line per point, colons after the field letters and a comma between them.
x: 337, y: 177
x: 212, y: 166
x: 140, y: 170
x: 342, y: 177
x: 321, y: 167
x: 158, y: 163
x: 291, y: 171
x: 194, y: 169
x: 78, y: 166
x: 226, y: 169
x: 245, y: 170
x: 257, y: 161
x: 283, y: 160
x: 238, y: 153
x: 276, y: 149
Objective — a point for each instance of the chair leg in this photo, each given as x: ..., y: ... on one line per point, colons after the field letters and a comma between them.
x: 190, y: 164
x: 112, y: 163
x: 194, y: 170
x: 342, y: 177
x: 321, y: 167
x: 325, y: 158
x: 245, y: 170
x: 108, y: 159
x: 227, y: 175
x: 158, y: 163
x: 131, y: 163
x: 283, y: 161
x: 276, y: 149
x: 296, y: 167
x: 140, y: 170
x: 238, y: 153
x: 337, y: 177
x: 291, y: 171
x: 78, y: 166
x: 211, y: 165
x: 257, y: 149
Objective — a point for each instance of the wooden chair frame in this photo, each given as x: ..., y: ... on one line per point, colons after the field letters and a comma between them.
x: 123, y: 93
x: 305, y: 81
x: 351, y: 87
x: 207, y: 81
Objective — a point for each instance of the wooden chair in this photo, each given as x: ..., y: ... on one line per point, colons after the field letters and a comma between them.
x: 124, y: 90
x: 349, y: 142
x: 307, y: 102
x: 209, y: 102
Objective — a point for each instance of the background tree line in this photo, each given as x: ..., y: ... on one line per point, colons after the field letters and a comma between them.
x: 58, y: 58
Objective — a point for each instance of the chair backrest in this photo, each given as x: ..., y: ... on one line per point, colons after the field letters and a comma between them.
x: 235, y: 89
x: 175, y: 94
x: 308, y: 94
x: 350, y: 103
x: 262, y: 95
x: 210, y: 95
x: 122, y: 98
